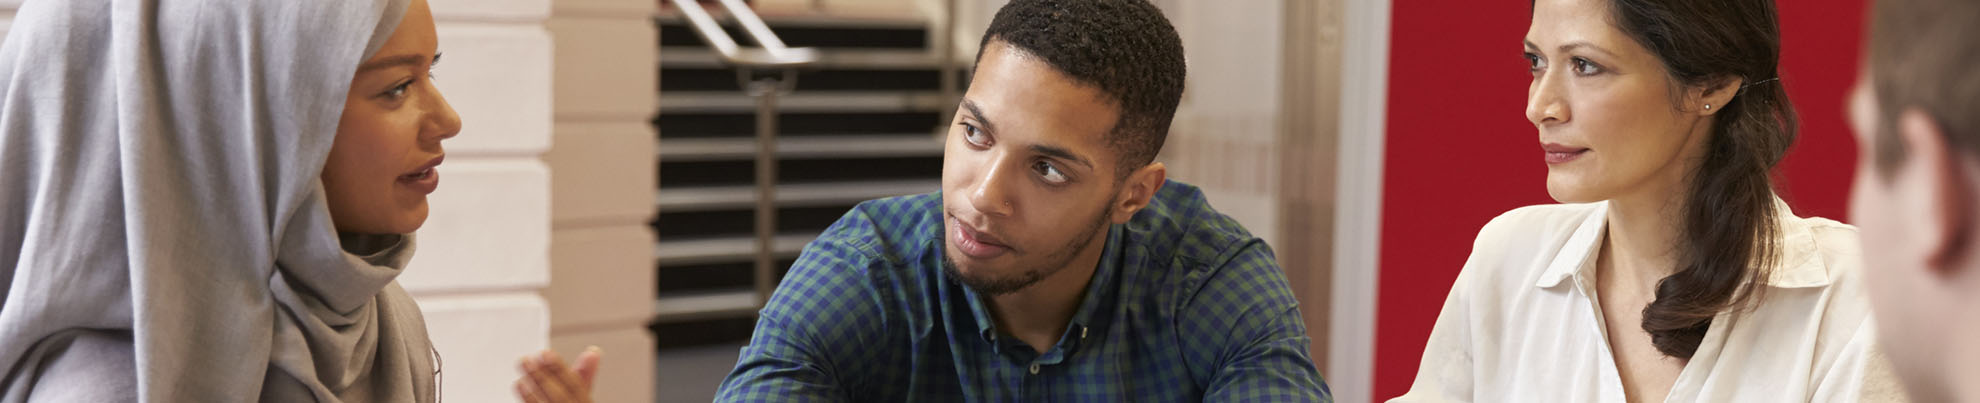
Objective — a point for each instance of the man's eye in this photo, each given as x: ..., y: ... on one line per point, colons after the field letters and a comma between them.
x: 974, y: 136
x: 1049, y: 172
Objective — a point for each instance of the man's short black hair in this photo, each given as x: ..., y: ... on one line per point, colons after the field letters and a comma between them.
x: 1125, y: 48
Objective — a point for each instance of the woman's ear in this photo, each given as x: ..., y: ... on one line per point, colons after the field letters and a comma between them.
x: 1713, y: 97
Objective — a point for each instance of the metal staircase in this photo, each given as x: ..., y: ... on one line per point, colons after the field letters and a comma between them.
x: 859, y: 122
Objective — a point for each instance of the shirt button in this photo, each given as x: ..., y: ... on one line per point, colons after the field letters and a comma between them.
x: 1034, y: 369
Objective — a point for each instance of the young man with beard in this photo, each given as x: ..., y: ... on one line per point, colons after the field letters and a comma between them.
x: 1057, y: 264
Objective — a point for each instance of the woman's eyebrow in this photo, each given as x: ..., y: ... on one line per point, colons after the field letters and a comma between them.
x: 392, y: 61
x: 1571, y: 46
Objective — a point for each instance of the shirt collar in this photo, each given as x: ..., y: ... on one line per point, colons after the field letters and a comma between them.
x: 1083, y: 319
x: 1579, y: 247
x: 1800, y: 265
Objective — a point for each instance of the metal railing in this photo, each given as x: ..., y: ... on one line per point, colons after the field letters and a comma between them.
x: 771, y: 56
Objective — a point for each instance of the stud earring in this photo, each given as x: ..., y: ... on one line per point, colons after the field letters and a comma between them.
x: 1708, y: 107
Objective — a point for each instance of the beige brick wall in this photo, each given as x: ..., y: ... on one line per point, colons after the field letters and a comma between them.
x: 484, y: 252
x: 601, y: 254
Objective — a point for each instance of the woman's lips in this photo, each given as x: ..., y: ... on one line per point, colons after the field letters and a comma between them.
x: 1560, y: 154
x: 425, y: 179
x: 976, y: 245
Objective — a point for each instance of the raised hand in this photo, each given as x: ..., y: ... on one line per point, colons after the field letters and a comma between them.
x: 547, y: 380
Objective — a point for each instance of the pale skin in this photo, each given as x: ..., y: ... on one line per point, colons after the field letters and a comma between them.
x: 1609, y: 101
x: 546, y: 379
x: 1027, y: 165
x: 1918, y: 221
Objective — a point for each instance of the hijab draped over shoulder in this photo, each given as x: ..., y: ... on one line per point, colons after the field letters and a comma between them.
x: 164, y: 236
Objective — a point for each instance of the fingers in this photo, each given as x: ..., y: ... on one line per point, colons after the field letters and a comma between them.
x: 547, y: 379
x: 587, y: 365
x: 567, y: 380
x: 543, y: 381
x: 527, y: 390
x: 523, y: 392
x: 550, y: 375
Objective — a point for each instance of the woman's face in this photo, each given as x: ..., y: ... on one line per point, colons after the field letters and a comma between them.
x: 382, y: 165
x: 1609, y: 124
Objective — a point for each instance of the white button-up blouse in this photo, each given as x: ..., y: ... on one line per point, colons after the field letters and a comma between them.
x: 1521, y: 323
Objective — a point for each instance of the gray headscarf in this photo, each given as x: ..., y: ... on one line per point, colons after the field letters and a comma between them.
x: 163, y: 233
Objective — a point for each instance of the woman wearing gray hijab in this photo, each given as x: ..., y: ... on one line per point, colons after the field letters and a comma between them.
x: 208, y: 200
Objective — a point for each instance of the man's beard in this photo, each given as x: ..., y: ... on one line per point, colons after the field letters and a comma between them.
x: 990, y: 285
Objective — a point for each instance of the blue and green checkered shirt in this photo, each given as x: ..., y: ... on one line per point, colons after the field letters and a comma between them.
x: 1184, y: 306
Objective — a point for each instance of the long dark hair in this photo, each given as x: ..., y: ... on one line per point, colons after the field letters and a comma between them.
x: 1726, y: 241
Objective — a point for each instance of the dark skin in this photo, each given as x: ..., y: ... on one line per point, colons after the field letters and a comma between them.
x: 1029, y: 171
x: 1029, y: 184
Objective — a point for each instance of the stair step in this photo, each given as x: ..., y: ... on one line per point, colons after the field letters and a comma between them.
x: 712, y: 276
x: 790, y: 171
x: 684, y: 199
x: 684, y: 102
x: 702, y: 305
x: 726, y: 249
x: 743, y: 124
x: 837, y: 16
x: 740, y: 220
x: 863, y: 124
x: 808, y: 81
x: 693, y: 57
x: 674, y: 31
x: 820, y: 147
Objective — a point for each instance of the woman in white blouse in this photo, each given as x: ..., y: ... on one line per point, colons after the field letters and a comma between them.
x: 1672, y: 273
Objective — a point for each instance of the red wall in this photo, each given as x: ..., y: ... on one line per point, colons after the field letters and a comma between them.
x: 1460, y: 150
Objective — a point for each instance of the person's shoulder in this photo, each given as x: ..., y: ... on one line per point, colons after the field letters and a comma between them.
x: 894, y: 229
x: 1815, y: 247
x: 1180, y: 221
x: 1200, y: 258
x: 875, y: 244
x: 1517, y: 248
x: 1836, y: 245
x: 870, y: 254
x: 1823, y: 258
x: 1537, y: 222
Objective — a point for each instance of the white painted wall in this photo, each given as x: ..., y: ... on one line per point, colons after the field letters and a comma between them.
x: 1225, y: 135
x: 484, y: 252
x: 1358, y: 198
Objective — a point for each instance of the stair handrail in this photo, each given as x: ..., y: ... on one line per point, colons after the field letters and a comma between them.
x: 774, y: 56
x: 771, y: 52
